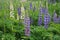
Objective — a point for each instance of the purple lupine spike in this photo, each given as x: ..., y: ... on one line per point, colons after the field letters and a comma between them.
x: 40, y: 20
x: 40, y: 16
x: 27, y: 21
x: 30, y: 5
x: 27, y: 25
x: 27, y: 31
x: 57, y: 20
x: 46, y: 10
x: 46, y: 20
x: 55, y: 17
x: 19, y: 11
x: 49, y: 18
x: 43, y: 10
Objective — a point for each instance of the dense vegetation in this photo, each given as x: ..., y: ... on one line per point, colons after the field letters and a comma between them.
x: 12, y: 29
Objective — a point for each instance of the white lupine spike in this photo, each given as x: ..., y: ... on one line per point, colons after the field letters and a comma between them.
x: 22, y: 12
x: 12, y: 14
x: 11, y: 10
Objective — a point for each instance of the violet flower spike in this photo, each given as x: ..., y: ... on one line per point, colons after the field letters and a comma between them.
x: 42, y: 9
x: 19, y: 11
x: 46, y: 20
x: 30, y: 5
x: 55, y: 19
x: 40, y: 16
x: 40, y: 20
x: 27, y: 25
x: 46, y: 11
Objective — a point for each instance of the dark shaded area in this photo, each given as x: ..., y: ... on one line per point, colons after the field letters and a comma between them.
x: 18, y: 36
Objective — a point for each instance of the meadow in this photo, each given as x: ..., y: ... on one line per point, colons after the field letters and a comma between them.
x: 33, y: 21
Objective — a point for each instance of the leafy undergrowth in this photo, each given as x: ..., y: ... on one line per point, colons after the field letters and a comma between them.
x: 12, y: 30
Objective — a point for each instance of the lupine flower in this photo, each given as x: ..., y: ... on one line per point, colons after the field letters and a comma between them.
x: 46, y: 11
x: 55, y: 19
x: 27, y: 21
x: 40, y: 15
x: 54, y: 16
x: 27, y: 31
x: 27, y: 25
x: 19, y: 11
x: 40, y: 20
x: 43, y: 10
x: 46, y: 20
x: 30, y: 5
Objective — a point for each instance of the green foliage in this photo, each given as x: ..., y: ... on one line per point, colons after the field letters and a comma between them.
x: 40, y: 33
x: 12, y: 29
x: 8, y: 37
